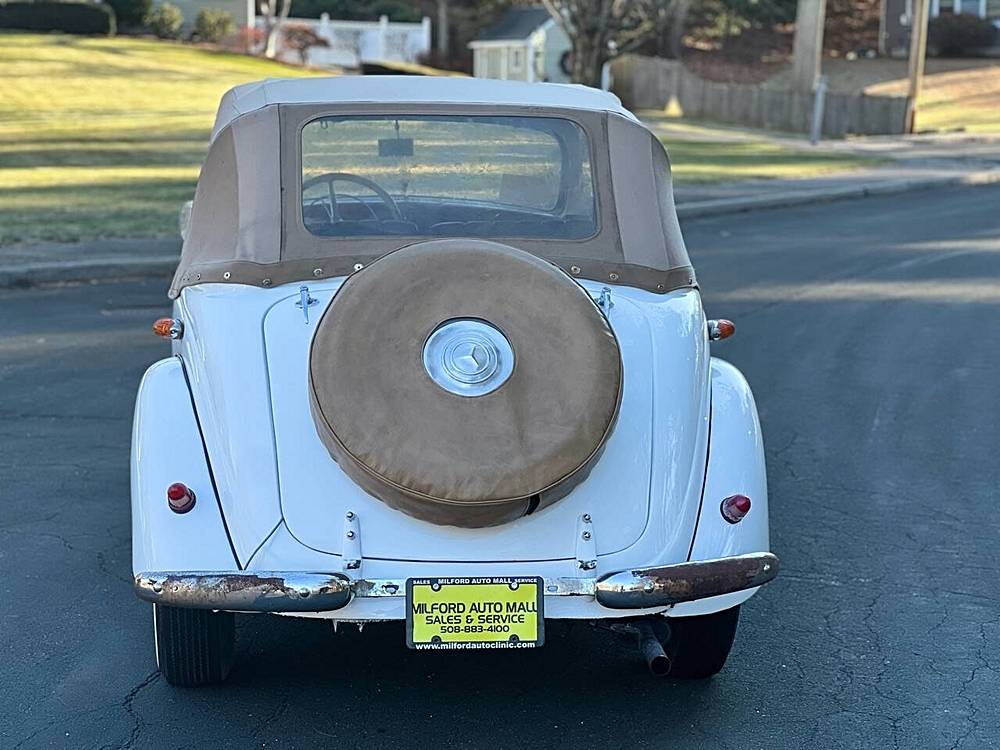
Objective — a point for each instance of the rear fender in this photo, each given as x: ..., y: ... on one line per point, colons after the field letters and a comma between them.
x: 735, y: 466
x: 167, y: 448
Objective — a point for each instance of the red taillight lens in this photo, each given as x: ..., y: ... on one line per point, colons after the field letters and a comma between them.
x: 735, y: 507
x: 180, y: 498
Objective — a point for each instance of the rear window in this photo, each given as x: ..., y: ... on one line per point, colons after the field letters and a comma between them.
x: 447, y: 176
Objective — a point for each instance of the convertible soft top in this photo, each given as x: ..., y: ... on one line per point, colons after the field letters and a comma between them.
x: 247, y: 226
x: 411, y: 89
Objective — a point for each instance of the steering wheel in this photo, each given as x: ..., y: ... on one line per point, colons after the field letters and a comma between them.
x: 331, y: 177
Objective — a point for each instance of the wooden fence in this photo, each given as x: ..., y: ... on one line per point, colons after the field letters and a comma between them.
x: 652, y: 83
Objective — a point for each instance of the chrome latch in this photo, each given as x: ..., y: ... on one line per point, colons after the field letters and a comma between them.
x: 351, y: 551
x: 305, y: 301
x: 604, y: 300
x: 586, y: 547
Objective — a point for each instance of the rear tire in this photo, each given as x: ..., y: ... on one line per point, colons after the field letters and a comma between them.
x: 193, y: 646
x: 699, y: 646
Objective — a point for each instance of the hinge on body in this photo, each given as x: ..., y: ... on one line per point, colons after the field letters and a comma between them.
x: 586, y: 547
x: 352, y: 542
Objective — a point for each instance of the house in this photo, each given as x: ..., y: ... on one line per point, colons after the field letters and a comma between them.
x: 526, y: 44
x: 894, y: 26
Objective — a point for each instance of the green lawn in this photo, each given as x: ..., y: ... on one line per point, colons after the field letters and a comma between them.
x: 701, y: 153
x: 700, y: 162
x: 104, y: 137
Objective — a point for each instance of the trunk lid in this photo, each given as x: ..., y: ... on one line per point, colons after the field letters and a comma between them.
x: 662, y: 361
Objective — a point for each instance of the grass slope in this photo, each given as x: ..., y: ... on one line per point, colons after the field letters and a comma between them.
x: 104, y: 137
x: 961, y: 99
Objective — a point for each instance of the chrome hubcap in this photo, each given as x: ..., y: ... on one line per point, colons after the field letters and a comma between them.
x: 468, y: 357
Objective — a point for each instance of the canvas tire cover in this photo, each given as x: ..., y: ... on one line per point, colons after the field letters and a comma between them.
x: 453, y: 459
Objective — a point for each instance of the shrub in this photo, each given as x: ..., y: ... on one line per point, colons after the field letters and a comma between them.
x: 166, y: 21
x: 250, y: 40
x: 131, y: 13
x: 301, y: 38
x: 213, y: 25
x: 50, y: 15
x: 953, y: 35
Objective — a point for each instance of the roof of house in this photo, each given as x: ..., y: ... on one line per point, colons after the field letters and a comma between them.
x: 334, y: 90
x: 516, y: 23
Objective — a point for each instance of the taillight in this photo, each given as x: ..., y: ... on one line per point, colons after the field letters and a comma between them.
x: 180, y: 498
x: 168, y: 328
x: 735, y: 507
x: 720, y: 329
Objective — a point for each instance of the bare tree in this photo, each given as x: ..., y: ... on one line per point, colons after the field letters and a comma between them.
x: 600, y: 29
x: 301, y: 38
x: 274, y: 13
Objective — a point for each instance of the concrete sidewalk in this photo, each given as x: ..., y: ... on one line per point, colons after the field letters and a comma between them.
x: 918, y: 163
x: 749, y: 195
x: 96, y: 260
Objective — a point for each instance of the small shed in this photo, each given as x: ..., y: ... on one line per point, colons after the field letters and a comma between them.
x: 526, y: 44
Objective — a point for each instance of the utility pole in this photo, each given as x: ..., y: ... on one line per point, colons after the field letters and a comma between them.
x: 918, y: 53
x: 807, y: 51
x: 442, y: 30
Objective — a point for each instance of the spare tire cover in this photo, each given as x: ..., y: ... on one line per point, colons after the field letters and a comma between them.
x: 388, y: 410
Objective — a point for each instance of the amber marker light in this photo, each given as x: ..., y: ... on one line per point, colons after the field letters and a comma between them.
x: 720, y: 329
x: 180, y: 498
x: 168, y: 328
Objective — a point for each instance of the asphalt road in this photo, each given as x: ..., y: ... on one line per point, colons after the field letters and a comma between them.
x: 869, y: 332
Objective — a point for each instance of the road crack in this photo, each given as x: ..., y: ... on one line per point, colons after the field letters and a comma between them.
x: 128, y: 704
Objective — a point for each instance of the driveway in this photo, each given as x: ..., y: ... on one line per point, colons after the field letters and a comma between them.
x: 869, y: 331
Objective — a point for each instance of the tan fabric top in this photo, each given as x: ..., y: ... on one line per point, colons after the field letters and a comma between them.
x: 246, y: 223
x: 451, y: 459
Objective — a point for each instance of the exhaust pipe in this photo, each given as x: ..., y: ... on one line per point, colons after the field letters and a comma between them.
x: 651, y: 649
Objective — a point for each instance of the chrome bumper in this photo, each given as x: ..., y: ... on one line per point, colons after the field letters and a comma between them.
x: 685, y: 582
x: 246, y: 591
x: 323, y: 592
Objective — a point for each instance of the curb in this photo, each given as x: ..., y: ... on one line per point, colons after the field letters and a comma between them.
x: 163, y: 266
x: 85, y: 271
x: 723, y: 206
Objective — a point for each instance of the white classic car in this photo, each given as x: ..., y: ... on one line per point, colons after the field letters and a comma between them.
x: 439, y: 357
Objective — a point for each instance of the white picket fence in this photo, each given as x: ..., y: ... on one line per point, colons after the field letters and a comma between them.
x: 356, y: 42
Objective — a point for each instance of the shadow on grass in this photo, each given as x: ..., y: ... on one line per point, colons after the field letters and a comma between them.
x: 82, y: 154
x: 68, y: 213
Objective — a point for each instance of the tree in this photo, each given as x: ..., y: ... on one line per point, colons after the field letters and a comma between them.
x: 670, y: 20
x: 131, y: 13
x: 274, y: 13
x: 600, y: 29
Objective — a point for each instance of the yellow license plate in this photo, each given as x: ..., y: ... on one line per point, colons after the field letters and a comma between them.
x: 461, y: 613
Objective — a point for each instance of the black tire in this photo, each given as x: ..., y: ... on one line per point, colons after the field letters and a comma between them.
x: 193, y: 646
x: 699, y: 646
